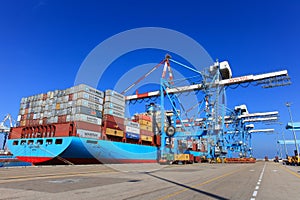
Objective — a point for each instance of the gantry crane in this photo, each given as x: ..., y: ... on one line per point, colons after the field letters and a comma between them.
x: 210, y: 125
x: 5, y: 129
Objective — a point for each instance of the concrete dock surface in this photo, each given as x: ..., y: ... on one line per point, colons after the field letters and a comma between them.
x: 259, y: 181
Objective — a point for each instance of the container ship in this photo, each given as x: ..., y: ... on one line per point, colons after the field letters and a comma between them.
x: 83, y: 125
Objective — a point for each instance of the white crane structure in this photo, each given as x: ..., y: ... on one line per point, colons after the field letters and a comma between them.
x: 5, y: 129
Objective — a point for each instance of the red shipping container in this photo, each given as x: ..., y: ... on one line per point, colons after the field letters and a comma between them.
x: 44, y: 97
x: 191, y: 157
x: 147, y: 133
x: 143, y: 117
x: 114, y: 119
x: 44, y: 120
x: 113, y: 125
x: 62, y: 119
x: 194, y: 146
x: 70, y: 97
x: 88, y: 126
x: 64, y: 130
x: 15, y: 133
x: 197, y: 159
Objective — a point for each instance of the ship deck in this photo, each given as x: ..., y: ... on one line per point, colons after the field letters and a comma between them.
x: 262, y: 180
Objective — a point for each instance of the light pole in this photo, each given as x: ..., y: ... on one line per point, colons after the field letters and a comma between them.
x: 288, y: 105
x: 286, y: 152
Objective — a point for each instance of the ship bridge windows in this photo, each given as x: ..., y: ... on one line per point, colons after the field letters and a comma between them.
x: 40, y: 142
x: 49, y: 141
x: 15, y: 142
x: 30, y: 142
x: 23, y: 142
x: 58, y: 141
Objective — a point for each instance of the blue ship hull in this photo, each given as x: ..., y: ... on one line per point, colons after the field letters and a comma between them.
x: 76, y: 150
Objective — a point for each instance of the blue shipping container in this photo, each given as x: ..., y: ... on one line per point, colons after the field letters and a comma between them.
x: 132, y: 136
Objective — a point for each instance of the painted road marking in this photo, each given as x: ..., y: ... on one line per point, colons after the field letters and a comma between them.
x: 254, y: 193
x: 290, y: 171
x: 258, y: 183
x: 48, y: 176
x: 198, y: 185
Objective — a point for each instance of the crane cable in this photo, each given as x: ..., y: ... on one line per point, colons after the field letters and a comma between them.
x: 143, y: 77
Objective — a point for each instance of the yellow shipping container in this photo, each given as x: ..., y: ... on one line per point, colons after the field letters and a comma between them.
x: 23, y: 123
x: 114, y: 132
x: 182, y: 157
x: 145, y: 122
x: 146, y: 138
x: 57, y: 106
x: 146, y: 128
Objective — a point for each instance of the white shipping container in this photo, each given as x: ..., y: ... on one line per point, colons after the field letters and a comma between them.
x: 49, y: 101
x: 114, y: 113
x: 70, y: 104
x: 38, y: 109
x: 59, y: 100
x: 87, y: 96
x: 108, y: 105
x: 112, y: 99
x: 86, y: 88
x: 22, y: 106
x: 55, y: 119
x: 86, y: 103
x: 19, y: 118
x: 69, y: 111
x: 131, y: 123
x: 65, y: 112
x: 86, y: 118
x: 114, y: 94
x: 132, y: 130
x: 66, y: 99
x: 70, y: 118
x: 22, y: 112
x: 88, y: 134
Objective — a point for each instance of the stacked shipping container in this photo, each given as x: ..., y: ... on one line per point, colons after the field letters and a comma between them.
x: 132, y: 130
x: 146, y: 127
x: 96, y: 114
x: 82, y: 104
x: 114, y: 115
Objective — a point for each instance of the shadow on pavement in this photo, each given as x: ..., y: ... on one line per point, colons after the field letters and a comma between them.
x: 188, y: 187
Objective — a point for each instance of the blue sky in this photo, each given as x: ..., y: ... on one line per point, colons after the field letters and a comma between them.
x: 43, y: 43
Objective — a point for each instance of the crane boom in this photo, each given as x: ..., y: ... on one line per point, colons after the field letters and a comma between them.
x: 231, y: 81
